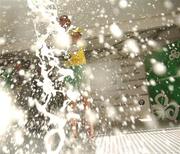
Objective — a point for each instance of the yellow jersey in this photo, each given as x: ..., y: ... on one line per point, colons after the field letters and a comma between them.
x: 77, y: 58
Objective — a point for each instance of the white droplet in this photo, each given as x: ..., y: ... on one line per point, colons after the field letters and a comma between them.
x: 139, y: 64
x: 101, y: 38
x: 62, y: 40
x: 111, y: 112
x: 22, y: 72
x: 91, y: 116
x: 152, y: 82
x: 168, y: 4
x: 18, y: 137
x: 31, y: 102
x: 153, y: 61
x: 123, y: 4
x: 73, y: 94
x: 152, y: 43
x: 5, y: 149
x: 124, y: 123
x: 171, y: 87
x: 116, y: 31
x: 131, y: 46
x: 171, y: 79
x: 2, y: 40
x: 121, y: 109
x: 124, y: 99
x: 159, y: 68
x: 81, y: 43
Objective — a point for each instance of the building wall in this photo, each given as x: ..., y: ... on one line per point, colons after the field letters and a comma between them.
x: 118, y: 80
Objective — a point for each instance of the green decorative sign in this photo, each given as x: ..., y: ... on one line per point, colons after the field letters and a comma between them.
x: 163, y: 73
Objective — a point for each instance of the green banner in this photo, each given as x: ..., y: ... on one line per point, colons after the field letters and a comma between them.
x: 163, y: 75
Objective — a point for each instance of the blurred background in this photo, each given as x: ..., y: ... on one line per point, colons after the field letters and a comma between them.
x: 120, y: 36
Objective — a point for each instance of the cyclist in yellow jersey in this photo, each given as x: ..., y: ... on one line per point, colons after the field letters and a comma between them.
x: 76, y: 62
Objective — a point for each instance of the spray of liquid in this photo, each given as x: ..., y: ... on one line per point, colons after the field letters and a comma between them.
x: 45, y: 11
